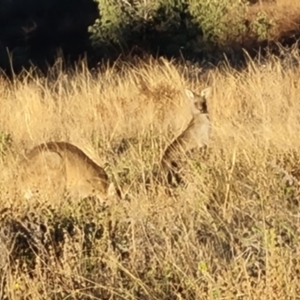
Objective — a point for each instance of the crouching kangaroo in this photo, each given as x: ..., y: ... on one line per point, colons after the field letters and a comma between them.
x: 66, y: 167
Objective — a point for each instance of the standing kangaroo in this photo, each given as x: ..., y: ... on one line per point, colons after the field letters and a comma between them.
x: 196, y: 135
x: 65, y: 166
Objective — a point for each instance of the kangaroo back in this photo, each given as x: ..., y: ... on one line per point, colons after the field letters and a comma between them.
x: 66, y: 164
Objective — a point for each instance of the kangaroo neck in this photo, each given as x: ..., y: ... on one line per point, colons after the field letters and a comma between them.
x: 201, y: 119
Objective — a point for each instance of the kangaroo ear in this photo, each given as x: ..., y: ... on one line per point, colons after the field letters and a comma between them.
x: 206, y: 93
x: 189, y: 94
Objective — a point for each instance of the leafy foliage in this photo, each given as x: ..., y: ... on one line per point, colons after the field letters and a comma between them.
x: 191, y: 23
x: 220, y: 20
x: 262, y: 25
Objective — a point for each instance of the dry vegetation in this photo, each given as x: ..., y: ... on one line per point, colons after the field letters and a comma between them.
x: 285, y: 13
x: 232, y: 233
x: 267, y: 22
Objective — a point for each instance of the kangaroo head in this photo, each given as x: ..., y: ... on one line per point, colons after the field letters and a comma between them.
x: 198, y: 103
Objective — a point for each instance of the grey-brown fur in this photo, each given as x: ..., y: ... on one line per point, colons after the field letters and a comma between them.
x: 65, y: 165
x: 196, y: 135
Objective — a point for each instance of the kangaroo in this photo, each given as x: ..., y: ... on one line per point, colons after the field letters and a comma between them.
x: 196, y: 135
x: 65, y: 166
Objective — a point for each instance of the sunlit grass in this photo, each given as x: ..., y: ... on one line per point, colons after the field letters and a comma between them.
x: 230, y: 233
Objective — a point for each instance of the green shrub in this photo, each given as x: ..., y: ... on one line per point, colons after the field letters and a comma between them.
x: 220, y: 20
x: 118, y: 19
x: 178, y: 24
x: 262, y: 25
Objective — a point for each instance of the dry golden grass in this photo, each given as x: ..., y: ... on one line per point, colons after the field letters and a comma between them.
x: 232, y: 233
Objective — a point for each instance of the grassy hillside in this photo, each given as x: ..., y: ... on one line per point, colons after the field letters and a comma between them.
x: 232, y: 233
